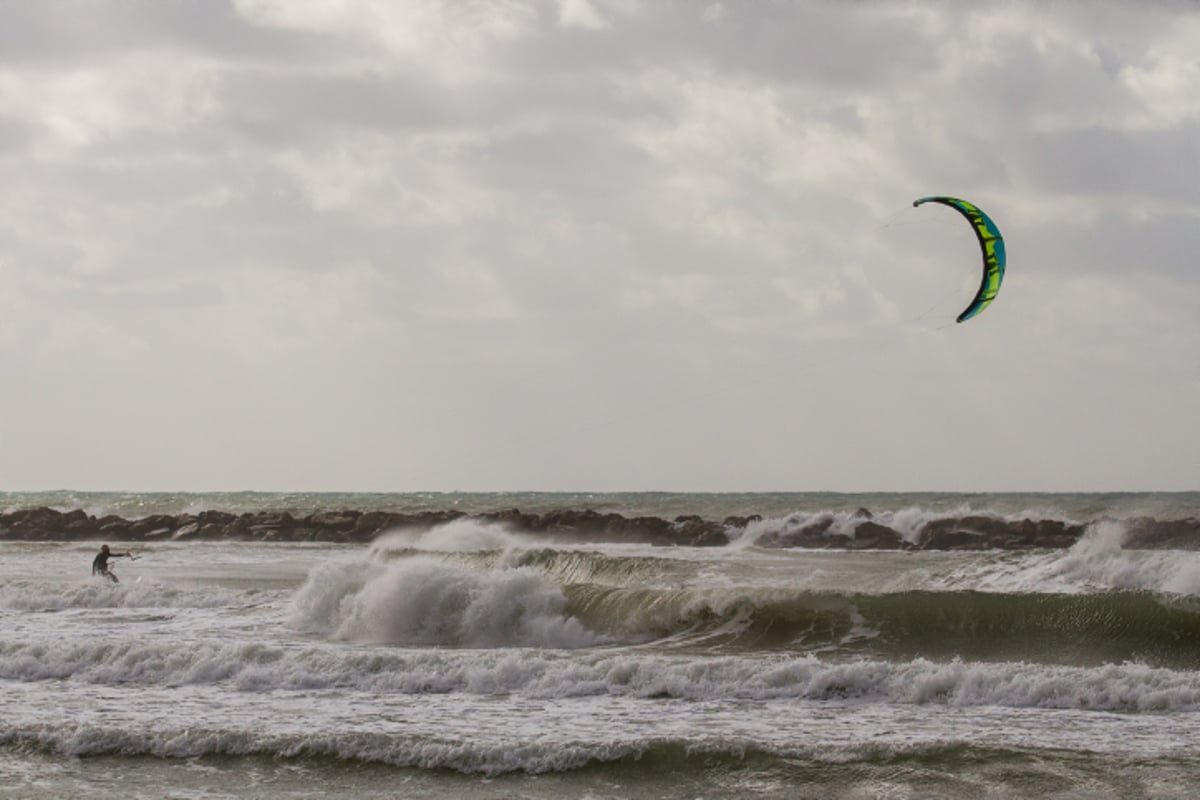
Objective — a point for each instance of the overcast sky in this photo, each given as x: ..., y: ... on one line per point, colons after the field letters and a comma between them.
x: 597, y: 245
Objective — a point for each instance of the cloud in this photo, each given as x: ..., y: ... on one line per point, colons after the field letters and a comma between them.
x: 592, y: 244
x: 50, y: 36
x: 1148, y: 167
x: 580, y: 14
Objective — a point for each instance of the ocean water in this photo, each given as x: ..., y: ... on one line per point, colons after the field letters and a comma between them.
x: 471, y: 661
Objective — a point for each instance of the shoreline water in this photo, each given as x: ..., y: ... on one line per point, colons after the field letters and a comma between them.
x: 481, y: 656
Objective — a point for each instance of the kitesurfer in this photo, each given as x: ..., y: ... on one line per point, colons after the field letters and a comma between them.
x: 100, y: 562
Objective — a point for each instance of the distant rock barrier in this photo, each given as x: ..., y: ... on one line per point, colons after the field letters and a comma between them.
x: 583, y: 526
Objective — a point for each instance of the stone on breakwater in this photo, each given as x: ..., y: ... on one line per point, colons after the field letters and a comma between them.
x: 188, y: 530
x: 335, y: 520
x: 813, y: 533
x: 697, y: 532
x: 1151, y: 534
x: 978, y: 532
x: 956, y: 540
x: 873, y: 536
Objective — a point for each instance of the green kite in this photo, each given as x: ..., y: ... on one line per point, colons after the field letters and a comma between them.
x: 990, y: 242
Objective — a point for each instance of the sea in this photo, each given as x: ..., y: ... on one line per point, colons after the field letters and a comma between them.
x: 472, y: 661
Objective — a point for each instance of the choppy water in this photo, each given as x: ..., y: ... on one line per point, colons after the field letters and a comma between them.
x: 469, y: 661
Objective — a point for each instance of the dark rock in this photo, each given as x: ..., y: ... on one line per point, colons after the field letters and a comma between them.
x: 812, y: 534
x: 372, y: 523
x: 281, y: 521
x: 971, y: 532
x: 115, y: 529
x: 1150, y: 534
x: 1056, y: 541
x: 512, y: 517
x: 872, y: 535
x: 187, y: 531
x: 333, y: 520
x: 155, y: 522
x: 80, y: 527
x: 956, y: 540
x: 692, y: 531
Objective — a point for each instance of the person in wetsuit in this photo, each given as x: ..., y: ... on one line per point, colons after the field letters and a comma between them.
x: 100, y: 562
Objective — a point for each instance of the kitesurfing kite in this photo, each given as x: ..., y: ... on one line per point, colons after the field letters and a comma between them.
x: 990, y: 242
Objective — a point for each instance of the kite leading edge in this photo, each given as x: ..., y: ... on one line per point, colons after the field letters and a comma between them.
x: 990, y: 242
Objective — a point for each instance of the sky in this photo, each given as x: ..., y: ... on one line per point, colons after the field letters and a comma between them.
x: 597, y: 245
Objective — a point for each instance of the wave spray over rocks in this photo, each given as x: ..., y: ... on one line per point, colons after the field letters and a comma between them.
x: 856, y: 529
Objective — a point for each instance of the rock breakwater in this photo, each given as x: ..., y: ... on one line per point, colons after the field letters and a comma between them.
x: 823, y: 531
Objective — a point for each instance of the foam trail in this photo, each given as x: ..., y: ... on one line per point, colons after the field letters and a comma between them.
x: 261, y: 670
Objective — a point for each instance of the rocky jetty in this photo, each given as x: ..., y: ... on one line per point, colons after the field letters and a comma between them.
x: 818, y: 531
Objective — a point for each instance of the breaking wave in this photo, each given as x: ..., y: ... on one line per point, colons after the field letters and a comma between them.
x: 424, y: 601
x: 535, y: 674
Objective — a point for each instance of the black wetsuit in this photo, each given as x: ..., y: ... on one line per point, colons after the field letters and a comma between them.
x: 100, y: 564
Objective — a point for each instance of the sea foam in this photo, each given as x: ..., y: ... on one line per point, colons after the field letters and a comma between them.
x: 1098, y: 561
x: 426, y: 601
x: 34, y: 595
x: 547, y: 675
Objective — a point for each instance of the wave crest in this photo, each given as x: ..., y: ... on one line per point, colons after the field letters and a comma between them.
x: 426, y: 601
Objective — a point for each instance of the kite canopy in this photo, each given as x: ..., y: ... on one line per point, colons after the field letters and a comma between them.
x: 990, y: 242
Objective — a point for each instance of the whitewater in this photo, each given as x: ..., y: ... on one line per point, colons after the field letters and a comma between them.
x: 467, y: 659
